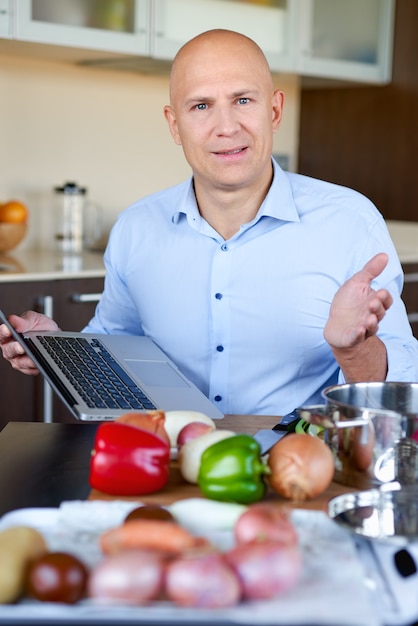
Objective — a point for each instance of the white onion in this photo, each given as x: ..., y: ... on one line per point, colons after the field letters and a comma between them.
x: 190, y: 453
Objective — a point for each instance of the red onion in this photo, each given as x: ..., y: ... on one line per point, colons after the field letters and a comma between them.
x: 265, y: 520
x: 202, y: 580
x: 265, y: 568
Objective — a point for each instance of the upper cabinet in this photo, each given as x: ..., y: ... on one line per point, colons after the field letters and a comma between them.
x: 337, y: 39
x: 120, y: 26
x: 271, y: 23
x: 343, y: 39
x: 6, y: 24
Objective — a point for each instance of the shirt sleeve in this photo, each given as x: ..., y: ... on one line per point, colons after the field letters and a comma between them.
x: 115, y: 312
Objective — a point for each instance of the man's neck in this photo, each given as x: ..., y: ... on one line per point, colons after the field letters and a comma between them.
x: 226, y: 211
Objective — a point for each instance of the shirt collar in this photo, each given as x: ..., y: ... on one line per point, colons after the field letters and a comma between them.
x: 278, y: 204
x: 187, y: 204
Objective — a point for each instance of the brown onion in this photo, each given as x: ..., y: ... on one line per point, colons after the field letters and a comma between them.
x: 302, y: 466
x: 154, y: 421
x: 150, y: 511
x: 57, y: 577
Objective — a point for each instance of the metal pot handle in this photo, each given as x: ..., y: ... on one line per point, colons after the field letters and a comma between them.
x: 317, y: 414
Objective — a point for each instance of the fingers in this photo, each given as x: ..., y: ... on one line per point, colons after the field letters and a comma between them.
x: 377, y: 307
x: 374, y: 267
x: 12, y: 351
x: 380, y: 303
x: 24, y: 365
x: 4, y: 333
x: 15, y: 354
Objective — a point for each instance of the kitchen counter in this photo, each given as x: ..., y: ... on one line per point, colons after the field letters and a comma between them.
x: 405, y: 237
x: 27, y: 265
x: 31, y: 265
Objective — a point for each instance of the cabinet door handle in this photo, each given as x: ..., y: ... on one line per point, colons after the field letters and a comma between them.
x: 412, y: 277
x: 85, y: 297
x: 47, y: 304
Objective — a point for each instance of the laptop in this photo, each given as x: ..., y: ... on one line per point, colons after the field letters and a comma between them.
x: 99, y: 377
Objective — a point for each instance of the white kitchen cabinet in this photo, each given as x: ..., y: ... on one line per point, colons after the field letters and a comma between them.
x: 6, y: 23
x: 120, y: 26
x: 333, y: 39
x: 271, y: 23
x: 346, y: 40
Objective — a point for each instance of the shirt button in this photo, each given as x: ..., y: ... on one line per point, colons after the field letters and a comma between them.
x: 220, y: 348
x: 218, y: 398
x: 218, y: 296
x: 224, y: 247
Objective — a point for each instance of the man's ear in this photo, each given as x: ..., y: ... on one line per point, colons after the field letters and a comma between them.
x: 277, y: 108
x: 170, y: 116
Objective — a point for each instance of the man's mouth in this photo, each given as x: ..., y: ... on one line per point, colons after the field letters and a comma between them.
x: 227, y: 152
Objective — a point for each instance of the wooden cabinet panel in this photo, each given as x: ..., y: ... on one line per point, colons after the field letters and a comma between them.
x: 71, y: 312
x: 367, y: 138
x: 410, y: 294
x: 22, y: 397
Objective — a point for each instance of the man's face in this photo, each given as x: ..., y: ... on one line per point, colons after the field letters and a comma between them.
x: 223, y: 113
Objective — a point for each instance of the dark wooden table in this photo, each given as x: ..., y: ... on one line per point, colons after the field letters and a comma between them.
x: 42, y: 465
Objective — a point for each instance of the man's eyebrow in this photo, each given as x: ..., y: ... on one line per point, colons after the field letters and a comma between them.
x: 195, y: 99
x: 243, y: 93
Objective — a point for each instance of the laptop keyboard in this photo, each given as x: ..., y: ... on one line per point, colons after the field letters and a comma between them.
x: 94, y: 373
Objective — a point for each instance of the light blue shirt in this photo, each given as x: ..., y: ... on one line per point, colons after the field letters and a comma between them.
x: 244, y: 318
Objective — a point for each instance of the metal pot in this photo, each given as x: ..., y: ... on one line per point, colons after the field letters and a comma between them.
x: 372, y: 430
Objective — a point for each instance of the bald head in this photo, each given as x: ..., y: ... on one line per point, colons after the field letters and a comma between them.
x: 215, y: 49
x: 223, y: 112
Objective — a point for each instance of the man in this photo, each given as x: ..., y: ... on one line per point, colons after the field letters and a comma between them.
x: 256, y: 282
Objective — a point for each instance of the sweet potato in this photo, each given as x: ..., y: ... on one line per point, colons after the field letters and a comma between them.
x: 152, y: 534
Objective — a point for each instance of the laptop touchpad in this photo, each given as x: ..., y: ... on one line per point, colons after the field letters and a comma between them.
x: 156, y: 373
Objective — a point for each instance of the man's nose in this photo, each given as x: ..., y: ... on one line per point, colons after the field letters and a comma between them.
x: 226, y: 121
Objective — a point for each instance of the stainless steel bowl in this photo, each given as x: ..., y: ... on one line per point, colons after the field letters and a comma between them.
x: 372, y: 429
x: 388, y: 513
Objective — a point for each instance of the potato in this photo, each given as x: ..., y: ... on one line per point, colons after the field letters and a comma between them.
x: 18, y: 546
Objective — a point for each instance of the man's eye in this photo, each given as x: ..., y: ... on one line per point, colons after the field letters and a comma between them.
x: 201, y: 107
x: 243, y: 100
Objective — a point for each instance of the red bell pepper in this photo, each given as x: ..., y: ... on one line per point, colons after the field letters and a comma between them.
x: 128, y: 461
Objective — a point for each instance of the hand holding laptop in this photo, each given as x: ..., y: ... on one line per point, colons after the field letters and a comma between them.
x: 12, y: 350
x: 99, y: 377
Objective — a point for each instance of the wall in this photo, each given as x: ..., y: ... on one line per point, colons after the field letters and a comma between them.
x: 102, y: 128
x: 367, y: 137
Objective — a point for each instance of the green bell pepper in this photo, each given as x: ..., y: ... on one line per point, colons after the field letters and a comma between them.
x: 232, y: 470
